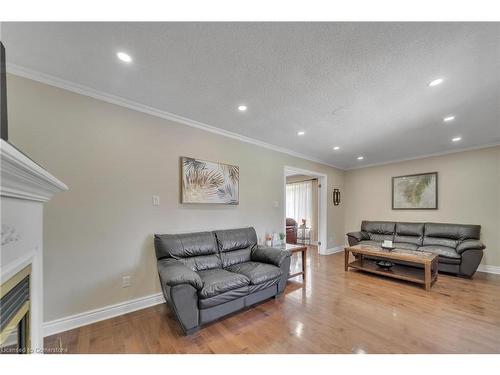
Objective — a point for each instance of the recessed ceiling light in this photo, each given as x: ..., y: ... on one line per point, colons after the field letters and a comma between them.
x: 125, y: 57
x: 436, y: 82
x: 301, y: 133
x: 361, y: 157
x: 449, y: 118
x: 456, y: 139
x: 242, y: 108
x: 336, y: 148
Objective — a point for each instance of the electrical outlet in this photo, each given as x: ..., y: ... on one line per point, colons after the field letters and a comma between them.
x: 276, y: 204
x: 156, y: 200
x: 126, y: 281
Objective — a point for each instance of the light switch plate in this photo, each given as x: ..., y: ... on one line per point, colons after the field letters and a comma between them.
x: 156, y: 200
x: 126, y: 281
x: 276, y: 204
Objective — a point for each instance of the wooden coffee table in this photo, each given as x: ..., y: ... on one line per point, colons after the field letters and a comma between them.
x: 425, y: 276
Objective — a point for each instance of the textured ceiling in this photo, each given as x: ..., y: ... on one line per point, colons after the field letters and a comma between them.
x: 361, y: 86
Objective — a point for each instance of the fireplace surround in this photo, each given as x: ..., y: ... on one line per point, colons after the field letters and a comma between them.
x: 25, y: 187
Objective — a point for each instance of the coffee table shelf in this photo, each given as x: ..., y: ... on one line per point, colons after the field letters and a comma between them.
x: 406, y: 273
x: 426, y: 275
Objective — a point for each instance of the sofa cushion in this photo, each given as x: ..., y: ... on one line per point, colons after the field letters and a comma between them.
x: 217, y: 281
x: 262, y: 286
x: 197, y: 251
x: 405, y: 245
x: 449, y: 234
x: 460, y: 232
x: 257, y: 272
x: 409, y: 233
x: 442, y: 251
x: 235, y: 245
x: 218, y: 299
x: 379, y: 230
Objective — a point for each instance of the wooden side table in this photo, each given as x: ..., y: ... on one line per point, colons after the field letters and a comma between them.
x: 292, y: 249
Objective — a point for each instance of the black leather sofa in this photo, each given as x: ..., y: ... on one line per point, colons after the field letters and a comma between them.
x: 207, y: 275
x: 458, y: 246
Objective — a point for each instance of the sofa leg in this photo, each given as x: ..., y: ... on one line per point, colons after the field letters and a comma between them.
x: 278, y: 296
x: 189, y: 332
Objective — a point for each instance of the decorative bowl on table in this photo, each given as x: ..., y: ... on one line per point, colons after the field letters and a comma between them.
x: 385, y: 264
x: 390, y: 248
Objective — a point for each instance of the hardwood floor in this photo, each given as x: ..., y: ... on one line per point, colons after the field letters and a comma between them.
x: 334, y: 312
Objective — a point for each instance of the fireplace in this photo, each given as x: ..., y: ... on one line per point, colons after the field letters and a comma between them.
x: 24, y: 187
x: 15, y: 313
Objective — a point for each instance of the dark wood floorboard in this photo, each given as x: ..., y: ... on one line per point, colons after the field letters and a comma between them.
x: 333, y: 312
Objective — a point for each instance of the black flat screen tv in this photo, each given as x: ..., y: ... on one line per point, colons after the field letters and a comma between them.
x: 4, y: 134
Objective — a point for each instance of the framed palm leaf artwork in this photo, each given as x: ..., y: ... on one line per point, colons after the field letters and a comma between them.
x: 415, y: 192
x: 209, y: 182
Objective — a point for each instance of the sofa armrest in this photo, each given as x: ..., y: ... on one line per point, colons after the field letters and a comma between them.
x: 355, y: 237
x: 359, y: 236
x: 285, y: 270
x: 269, y: 255
x: 470, y: 245
x: 173, y: 272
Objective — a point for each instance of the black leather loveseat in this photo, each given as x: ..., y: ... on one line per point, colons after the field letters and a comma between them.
x: 207, y: 275
x: 458, y: 246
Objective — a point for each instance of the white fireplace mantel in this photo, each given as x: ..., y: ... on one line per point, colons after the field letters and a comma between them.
x: 23, y: 178
x: 24, y: 187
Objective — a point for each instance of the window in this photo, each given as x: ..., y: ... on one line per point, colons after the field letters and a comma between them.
x: 299, y: 202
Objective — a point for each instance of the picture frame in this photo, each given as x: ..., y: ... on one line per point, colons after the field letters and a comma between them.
x: 415, y: 191
x: 208, y: 182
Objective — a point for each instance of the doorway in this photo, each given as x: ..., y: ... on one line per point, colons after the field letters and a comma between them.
x: 305, y: 197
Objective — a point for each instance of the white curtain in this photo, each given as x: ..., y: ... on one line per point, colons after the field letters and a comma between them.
x: 299, y: 202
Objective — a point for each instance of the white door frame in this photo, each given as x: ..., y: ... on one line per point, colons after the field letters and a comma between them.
x: 322, y: 202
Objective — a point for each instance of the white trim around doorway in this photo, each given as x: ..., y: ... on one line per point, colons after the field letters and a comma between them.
x: 322, y: 203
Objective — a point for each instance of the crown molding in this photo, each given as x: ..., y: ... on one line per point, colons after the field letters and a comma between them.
x: 122, y: 102
x: 24, y: 179
x: 443, y: 153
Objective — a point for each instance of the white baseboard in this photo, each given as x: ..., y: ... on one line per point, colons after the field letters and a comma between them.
x: 106, y: 312
x: 333, y: 250
x: 489, y: 269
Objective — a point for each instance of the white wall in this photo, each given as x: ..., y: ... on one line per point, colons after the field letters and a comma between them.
x: 113, y: 160
x: 468, y: 189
